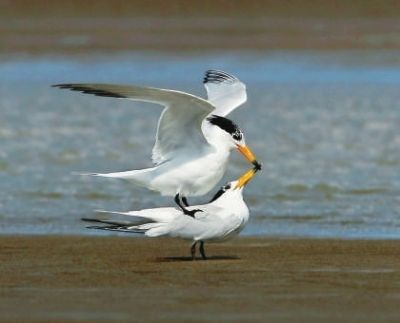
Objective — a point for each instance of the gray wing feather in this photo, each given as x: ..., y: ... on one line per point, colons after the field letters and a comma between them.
x: 179, y: 126
x: 225, y: 91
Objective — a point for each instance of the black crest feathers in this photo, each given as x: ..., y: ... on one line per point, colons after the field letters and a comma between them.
x: 225, y: 124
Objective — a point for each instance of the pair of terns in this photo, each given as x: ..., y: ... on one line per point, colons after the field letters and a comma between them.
x: 193, y: 143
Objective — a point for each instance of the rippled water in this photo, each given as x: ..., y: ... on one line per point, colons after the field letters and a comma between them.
x: 326, y: 127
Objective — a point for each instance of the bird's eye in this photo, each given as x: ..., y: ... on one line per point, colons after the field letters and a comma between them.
x: 237, y: 136
x: 227, y: 187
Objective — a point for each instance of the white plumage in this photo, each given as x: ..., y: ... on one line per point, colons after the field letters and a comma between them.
x: 193, y: 139
x: 224, y: 95
x: 219, y: 220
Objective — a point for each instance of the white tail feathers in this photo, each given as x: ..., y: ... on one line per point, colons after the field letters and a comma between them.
x: 111, y: 212
x: 154, y: 229
x: 84, y: 174
x: 139, y: 176
x: 90, y: 174
x: 150, y: 229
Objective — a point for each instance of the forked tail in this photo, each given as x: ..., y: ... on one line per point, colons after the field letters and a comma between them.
x: 112, y: 225
x: 149, y: 228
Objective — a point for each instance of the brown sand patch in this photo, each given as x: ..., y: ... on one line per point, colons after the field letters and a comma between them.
x: 152, y: 279
x: 75, y: 27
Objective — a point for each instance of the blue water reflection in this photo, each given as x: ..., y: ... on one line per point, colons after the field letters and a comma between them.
x: 324, y: 124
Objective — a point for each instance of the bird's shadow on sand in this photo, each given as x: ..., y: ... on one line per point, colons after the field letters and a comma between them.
x: 211, y: 258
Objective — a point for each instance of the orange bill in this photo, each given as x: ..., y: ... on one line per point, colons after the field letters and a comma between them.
x: 245, y: 178
x: 247, y: 153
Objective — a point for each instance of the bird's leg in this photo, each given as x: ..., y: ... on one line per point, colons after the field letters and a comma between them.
x: 193, y: 250
x: 184, y: 210
x: 178, y: 201
x: 185, y: 201
x: 202, y: 252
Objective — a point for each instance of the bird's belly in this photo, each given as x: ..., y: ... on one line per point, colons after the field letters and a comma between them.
x: 224, y: 230
x: 218, y: 235
x: 190, y: 178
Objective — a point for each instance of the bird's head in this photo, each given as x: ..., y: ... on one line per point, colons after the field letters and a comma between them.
x: 229, y: 135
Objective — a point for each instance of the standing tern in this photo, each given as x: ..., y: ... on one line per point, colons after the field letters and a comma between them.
x: 221, y: 219
x: 193, y: 140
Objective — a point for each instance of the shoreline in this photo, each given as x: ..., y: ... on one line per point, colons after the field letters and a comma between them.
x: 258, y: 279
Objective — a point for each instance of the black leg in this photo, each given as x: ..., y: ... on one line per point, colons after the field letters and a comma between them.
x: 178, y: 200
x: 191, y: 213
x: 185, y: 201
x: 193, y: 250
x: 202, y: 252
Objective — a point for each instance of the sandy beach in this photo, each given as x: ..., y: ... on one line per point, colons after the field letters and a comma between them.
x: 249, y: 279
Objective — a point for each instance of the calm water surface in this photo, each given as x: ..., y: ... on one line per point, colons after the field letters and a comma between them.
x: 326, y: 127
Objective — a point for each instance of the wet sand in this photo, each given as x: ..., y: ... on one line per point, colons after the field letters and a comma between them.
x: 249, y: 279
x: 76, y: 27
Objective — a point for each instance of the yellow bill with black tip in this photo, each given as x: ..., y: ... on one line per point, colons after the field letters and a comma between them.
x: 245, y: 178
x: 247, y: 153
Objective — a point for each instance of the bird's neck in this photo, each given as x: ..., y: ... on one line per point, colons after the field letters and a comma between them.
x: 230, y: 199
x: 216, y: 138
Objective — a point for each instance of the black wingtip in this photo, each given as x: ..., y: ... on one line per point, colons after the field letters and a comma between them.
x: 116, y: 228
x: 218, y: 76
x: 90, y: 220
x: 58, y: 85
x: 110, y: 222
x: 89, y: 90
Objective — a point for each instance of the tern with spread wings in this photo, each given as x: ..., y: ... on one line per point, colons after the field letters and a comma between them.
x: 194, y: 137
x: 221, y: 219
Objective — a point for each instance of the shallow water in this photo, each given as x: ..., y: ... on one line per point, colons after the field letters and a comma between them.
x: 325, y: 125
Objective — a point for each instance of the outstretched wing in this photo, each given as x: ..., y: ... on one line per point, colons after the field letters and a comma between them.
x: 225, y: 91
x: 179, y: 126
